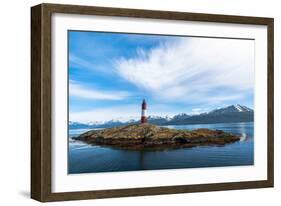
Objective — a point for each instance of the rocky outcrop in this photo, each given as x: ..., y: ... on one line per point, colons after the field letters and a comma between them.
x: 140, y: 136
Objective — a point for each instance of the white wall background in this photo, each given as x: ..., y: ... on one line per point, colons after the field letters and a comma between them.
x: 15, y: 102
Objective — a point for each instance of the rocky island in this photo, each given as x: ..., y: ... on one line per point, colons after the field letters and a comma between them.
x: 140, y: 136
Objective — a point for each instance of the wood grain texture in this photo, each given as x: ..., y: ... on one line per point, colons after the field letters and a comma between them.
x: 270, y: 102
x: 156, y: 14
x: 41, y: 101
x: 36, y: 58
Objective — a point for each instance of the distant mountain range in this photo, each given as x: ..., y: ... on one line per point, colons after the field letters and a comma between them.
x: 233, y: 113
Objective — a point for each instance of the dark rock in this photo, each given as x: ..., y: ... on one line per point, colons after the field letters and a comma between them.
x: 140, y: 136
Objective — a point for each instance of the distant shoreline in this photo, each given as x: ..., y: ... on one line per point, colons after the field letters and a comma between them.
x: 167, y: 126
x: 230, y: 114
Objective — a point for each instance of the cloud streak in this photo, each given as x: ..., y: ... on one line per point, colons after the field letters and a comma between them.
x: 125, y: 112
x: 76, y: 62
x: 194, y: 69
x: 120, y: 113
x: 76, y: 90
x: 79, y: 62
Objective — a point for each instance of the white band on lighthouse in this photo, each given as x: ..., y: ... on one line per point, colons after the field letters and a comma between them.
x: 143, y: 112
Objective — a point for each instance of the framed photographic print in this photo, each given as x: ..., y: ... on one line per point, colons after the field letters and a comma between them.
x: 130, y: 102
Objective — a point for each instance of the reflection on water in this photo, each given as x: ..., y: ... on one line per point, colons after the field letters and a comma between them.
x: 84, y: 158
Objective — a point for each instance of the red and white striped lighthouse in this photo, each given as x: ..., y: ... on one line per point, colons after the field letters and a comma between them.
x: 143, y: 112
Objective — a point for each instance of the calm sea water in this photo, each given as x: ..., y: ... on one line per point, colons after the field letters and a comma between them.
x: 84, y: 158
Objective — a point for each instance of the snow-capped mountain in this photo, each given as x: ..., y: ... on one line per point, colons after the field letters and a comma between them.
x: 78, y: 125
x: 158, y: 119
x: 232, y: 108
x: 181, y: 116
x: 232, y: 113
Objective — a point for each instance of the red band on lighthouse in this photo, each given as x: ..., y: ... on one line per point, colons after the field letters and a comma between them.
x: 143, y: 112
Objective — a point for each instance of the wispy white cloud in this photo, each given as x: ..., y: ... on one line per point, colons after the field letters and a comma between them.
x: 77, y: 90
x: 198, y: 110
x: 80, y: 62
x: 123, y: 113
x: 193, y: 69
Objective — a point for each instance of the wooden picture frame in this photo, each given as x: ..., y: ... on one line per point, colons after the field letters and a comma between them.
x: 41, y: 117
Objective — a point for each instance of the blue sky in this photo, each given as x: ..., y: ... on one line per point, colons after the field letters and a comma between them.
x: 110, y: 74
